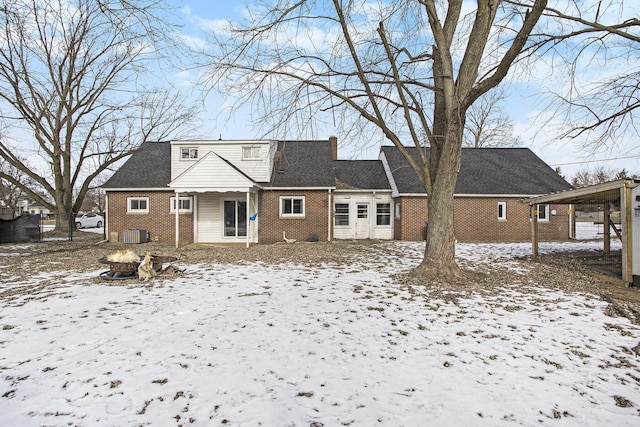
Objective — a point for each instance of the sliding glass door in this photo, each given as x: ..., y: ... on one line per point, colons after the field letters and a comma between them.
x: 235, y: 218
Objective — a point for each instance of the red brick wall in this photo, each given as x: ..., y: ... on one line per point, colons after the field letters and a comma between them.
x: 413, y: 215
x: 557, y: 228
x: 314, y: 222
x: 160, y: 221
x: 476, y: 220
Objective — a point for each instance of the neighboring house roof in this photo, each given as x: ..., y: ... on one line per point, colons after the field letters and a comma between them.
x: 504, y: 171
x: 148, y: 167
x: 360, y: 174
x: 300, y: 164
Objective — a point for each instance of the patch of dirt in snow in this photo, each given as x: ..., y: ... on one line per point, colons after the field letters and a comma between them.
x: 42, y: 267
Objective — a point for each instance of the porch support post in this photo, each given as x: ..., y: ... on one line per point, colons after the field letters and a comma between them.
x: 572, y: 222
x: 247, y: 215
x: 606, y: 230
x: 534, y: 231
x: 177, y: 207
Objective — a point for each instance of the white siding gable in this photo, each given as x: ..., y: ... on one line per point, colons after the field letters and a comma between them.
x: 211, y: 173
x: 257, y: 168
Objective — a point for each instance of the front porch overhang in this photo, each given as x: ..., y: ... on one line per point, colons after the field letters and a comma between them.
x: 195, y: 190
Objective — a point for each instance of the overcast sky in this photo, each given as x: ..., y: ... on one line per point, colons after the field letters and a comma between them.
x: 523, y: 105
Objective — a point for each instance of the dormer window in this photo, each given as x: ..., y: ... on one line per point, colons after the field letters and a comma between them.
x: 250, y: 153
x: 188, y: 153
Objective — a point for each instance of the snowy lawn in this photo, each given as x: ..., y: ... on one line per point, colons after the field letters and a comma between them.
x: 290, y: 345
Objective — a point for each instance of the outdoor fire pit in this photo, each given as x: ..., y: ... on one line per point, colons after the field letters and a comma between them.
x: 124, y: 264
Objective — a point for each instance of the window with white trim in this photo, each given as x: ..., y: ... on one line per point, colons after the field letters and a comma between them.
x: 383, y: 214
x: 185, y: 203
x: 502, y: 211
x: 341, y: 216
x: 137, y: 204
x: 363, y: 210
x: 292, y: 207
x: 543, y: 212
x: 250, y: 153
x: 188, y: 153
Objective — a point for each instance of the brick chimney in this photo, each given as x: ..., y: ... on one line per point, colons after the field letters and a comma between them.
x: 334, y: 146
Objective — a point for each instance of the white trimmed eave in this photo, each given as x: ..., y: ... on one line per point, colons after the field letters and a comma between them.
x: 219, y: 141
x: 390, y: 178
x: 501, y: 196
x: 253, y: 189
x: 409, y: 194
x: 297, y: 188
x: 494, y: 196
x: 342, y: 190
x: 130, y: 189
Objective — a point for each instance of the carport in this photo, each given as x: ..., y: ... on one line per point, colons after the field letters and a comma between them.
x: 623, y: 193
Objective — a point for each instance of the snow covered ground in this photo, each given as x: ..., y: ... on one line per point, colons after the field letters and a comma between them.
x: 291, y: 345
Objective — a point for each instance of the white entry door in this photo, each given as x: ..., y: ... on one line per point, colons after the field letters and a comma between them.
x: 362, y: 221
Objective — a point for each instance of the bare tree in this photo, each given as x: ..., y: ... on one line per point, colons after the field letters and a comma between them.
x: 598, y: 175
x: 625, y: 174
x: 408, y: 69
x: 599, y: 37
x: 94, y: 201
x: 70, y: 84
x: 487, y: 124
x: 10, y: 193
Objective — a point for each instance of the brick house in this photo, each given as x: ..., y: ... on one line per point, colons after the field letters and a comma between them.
x: 487, y: 208
x: 261, y: 191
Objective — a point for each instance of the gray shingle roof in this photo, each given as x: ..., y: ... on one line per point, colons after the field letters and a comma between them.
x: 486, y: 171
x: 360, y: 174
x: 303, y: 164
x: 300, y: 164
x: 148, y: 167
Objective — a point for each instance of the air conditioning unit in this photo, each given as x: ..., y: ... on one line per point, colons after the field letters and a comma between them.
x: 135, y: 236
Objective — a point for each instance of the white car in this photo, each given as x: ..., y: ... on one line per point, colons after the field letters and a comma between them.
x: 89, y: 220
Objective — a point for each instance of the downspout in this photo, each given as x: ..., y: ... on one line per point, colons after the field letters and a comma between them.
x: 106, y: 212
x: 534, y: 231
x: 329, y: 212
x: 177, y: 219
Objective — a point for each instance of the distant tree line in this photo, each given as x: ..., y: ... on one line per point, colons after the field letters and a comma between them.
x: 598, y: 175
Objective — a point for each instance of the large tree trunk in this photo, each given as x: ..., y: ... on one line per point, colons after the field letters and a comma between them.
x: 439, y: 257
x: 63, y: 207
x: 62, y: 220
